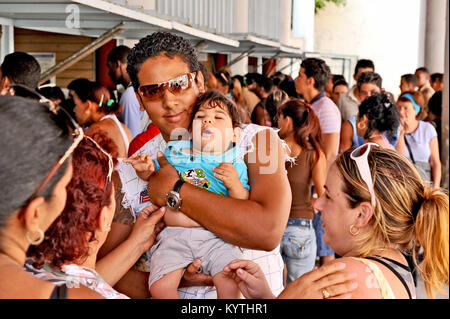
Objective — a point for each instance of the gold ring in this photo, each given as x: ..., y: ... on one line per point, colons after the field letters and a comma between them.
x: 325, y: 294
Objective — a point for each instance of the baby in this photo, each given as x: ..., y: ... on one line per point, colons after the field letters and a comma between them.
x: 214, y: 132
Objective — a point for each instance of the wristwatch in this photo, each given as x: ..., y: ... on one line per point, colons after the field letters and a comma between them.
x: 173, y: 197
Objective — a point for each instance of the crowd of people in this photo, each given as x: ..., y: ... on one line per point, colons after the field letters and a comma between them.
x: 198, y: 184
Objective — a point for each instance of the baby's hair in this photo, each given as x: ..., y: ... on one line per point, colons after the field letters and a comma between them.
x: 213, y: 99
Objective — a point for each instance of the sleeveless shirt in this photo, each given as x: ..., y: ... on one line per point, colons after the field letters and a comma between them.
x: 300, y: 179
x: 122, y: 131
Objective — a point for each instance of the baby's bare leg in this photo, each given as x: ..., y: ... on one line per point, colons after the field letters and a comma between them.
x: 226, y: 287
x: 166, y: 287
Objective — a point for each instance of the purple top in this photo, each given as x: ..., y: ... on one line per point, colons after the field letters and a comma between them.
x: 328, y: 114
x: 419, y: 141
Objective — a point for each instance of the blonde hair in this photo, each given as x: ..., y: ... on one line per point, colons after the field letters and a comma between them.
x: 407, y: 212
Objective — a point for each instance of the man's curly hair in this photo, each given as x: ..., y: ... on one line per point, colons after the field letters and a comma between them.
x: 156, y: 44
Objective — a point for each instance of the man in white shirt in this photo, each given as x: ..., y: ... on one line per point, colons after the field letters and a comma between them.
x: 132, y: 115
x: 348, y: 103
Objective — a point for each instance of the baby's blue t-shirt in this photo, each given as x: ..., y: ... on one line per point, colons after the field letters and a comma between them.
x: 197, y: 169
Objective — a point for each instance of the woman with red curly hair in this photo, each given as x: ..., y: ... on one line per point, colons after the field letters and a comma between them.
x: 68, y: 255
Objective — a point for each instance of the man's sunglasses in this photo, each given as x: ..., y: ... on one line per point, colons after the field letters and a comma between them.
x: 156, y: 91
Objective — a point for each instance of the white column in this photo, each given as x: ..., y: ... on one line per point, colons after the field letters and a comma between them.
x: 7, y: 39
x: 285, y: 21
x: 445, y: 111
x: 260, y: 66
x: 435, y: 35
x: 303, y: 22
x: 240, y: 16
x: 240, y: 67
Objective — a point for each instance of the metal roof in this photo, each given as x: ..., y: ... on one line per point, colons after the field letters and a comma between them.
x: 98, y: 16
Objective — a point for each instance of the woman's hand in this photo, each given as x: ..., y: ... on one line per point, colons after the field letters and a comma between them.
x: 249, y: 278
x: 147, y: 227
x: 192, y: 276
x: 162, y: 181
x: 403, y: 126
x: 326, y: 279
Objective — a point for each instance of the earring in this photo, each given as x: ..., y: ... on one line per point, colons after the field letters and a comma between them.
x: 359, y: 125
x: 352, y: 232
x: 37, y: 241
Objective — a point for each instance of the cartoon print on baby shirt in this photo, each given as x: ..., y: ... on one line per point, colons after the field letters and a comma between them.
x: 196, y: 177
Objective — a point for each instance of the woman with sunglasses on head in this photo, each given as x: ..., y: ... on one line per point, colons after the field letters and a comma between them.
x: 418, y: 140
x: 95, y: 108
x: 300, y: 129
x: 36, y: 166
x: 68, y: 254
x: 165, y: 74
x: 375, y: 208
x: 377, y: 118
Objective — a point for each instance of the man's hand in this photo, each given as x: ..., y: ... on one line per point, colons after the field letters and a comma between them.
x: 143, y: 165
x: 162, y: 181
x: 192, y: 277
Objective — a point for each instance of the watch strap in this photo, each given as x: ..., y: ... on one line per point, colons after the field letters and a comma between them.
x: 177, y: 186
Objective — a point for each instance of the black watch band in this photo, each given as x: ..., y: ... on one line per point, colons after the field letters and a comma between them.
x: 177, y: 186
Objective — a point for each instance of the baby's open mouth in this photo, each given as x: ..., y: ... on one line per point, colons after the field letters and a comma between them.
x: 207, y: 133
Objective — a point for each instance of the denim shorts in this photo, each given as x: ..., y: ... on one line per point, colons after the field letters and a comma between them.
x: 322, y: 248
x: 298, y: 247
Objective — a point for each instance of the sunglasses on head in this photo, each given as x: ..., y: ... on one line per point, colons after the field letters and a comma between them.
x: 110, y: 160
x: 175, y: 85
x: 66, y: 123
x: 359, y: 155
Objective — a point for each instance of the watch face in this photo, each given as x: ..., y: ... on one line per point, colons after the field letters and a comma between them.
x: 173, y: 200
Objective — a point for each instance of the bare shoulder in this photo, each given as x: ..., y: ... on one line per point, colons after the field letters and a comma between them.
x: 127, y: 131
x: 347, y: 126
x: 14, y: 282
x: 368, y: 287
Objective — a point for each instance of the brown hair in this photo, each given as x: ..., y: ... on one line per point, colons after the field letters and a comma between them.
x: 213, y: 99
x: 407, y: 212
x: 307, y: 131
x: 101, y: 95
x: 419, y: 99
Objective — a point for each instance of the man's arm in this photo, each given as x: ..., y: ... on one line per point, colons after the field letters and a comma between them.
x: 134, y: 282
x: 257, y: 223
x: 346, y: 137
x: 131, y: 114
x: 330, y: 146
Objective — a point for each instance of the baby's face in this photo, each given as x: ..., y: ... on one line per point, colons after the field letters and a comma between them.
x: 212, y: 130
